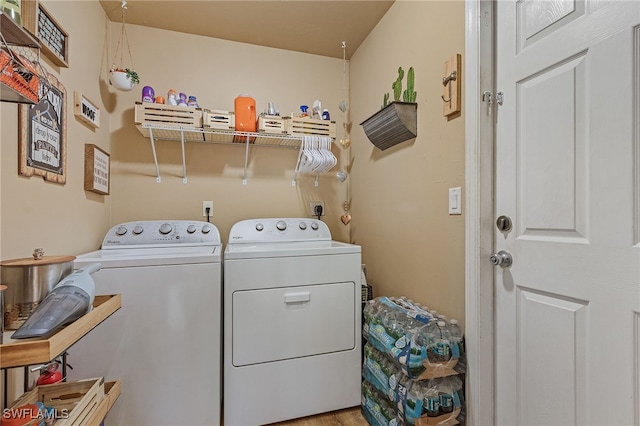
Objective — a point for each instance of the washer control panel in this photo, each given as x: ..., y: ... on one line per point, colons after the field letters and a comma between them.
x: 161, y: 232
x: 279, y: 230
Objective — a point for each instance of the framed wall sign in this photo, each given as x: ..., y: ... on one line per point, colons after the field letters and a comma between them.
x: 85, y: 110
x: 96, y: 169
x: 54, y: 40
x: 42, y: 134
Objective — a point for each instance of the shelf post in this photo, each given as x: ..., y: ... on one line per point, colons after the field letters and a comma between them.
x: 155, y: 157
x: 184, y: 164
x: 246, y: 161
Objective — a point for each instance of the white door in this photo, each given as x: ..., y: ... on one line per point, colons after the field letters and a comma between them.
x: 567, y: 312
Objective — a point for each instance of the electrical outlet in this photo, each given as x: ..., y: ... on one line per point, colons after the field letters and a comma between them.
x: 313, y: 205
x: 206, y: 204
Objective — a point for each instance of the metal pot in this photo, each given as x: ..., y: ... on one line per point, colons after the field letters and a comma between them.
x: 28, y: 281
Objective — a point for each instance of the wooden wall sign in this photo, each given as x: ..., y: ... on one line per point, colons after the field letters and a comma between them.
x: 54, y: 40
x: 42, y: 134
x: 85, y: 110
x: 96, y: 169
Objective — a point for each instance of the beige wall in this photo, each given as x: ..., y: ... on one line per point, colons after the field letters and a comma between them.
x: 63, y: 219
x: 399, y: 197
x: 216, y: 71
x: 411, y: 245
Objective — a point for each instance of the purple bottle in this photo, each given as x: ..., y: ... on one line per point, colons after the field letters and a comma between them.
x: 148, y: 94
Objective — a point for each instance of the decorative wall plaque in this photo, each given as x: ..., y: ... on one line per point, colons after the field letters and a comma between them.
x: 54, y: 40
x: 42, y: 134
x: 85, y: 110
x: 96, y: 169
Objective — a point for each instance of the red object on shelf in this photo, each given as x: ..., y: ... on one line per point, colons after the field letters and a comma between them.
x: 19, y: 74
x: 49, y: 375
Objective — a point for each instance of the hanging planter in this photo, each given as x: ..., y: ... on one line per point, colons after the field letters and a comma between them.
x: 122, y: 77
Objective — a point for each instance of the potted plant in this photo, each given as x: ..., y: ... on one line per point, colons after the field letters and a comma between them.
x: 123, y: 79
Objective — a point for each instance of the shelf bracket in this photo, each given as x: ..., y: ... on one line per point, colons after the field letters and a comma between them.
x: 155, y: 157
x: 246, y: 161
x: 184, y: 164
x: 297, y: 170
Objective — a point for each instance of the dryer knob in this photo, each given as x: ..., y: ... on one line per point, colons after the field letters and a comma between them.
x: 165, y: 228
x: 259, y: 227
x: 281, y: 225
x: 121, y: 230
x: 314, y: 226
x: 303, y: 226
x: 191, y: 229
x: 206, y: 229
x: 137, y: 230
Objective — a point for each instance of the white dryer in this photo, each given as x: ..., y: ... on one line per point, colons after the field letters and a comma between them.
x: 164, y: 344
x: 292, y: 327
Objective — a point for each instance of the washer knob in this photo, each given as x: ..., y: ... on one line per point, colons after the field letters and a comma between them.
x: 259, y: 227
x: 314, y: 226
x: 165, y: 228
x: 137, y: 230
x: 121, y: 230
x: 206, y: 229
x: 191, y: 229
x: 281, y: 225
x: 303, y: 226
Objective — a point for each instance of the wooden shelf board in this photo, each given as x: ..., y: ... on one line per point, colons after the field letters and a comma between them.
x: 13, y: 33
x: 16, y: 353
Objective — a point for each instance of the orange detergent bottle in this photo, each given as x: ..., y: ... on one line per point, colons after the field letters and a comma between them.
x: 245, y: 113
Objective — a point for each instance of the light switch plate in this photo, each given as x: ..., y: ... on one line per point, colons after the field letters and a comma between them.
x: 455, y: 201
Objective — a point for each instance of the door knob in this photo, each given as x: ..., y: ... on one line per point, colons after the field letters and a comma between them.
x: 501, y: 258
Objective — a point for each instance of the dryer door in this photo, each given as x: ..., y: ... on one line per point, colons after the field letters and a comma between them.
x: 291, y: 322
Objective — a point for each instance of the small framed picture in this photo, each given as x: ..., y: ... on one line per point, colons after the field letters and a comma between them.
x: 85, y: 110
x: 96, y: 169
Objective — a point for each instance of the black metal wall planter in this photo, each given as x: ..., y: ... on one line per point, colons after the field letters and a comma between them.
x: 395, y: 123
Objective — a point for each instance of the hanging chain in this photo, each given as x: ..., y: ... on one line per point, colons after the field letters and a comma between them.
x: 123, y: 36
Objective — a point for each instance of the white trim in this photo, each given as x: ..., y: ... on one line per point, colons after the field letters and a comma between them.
x: 479, y: 213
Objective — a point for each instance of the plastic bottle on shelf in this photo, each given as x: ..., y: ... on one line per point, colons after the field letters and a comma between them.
x: 192, y: 102
x: 182, y: 99
x: 148, y: 94
x: 172, y: 97
x: 245, y: 113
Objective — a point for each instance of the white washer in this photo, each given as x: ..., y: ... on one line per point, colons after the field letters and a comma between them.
x: 164, y: 344
x: 292, y: 304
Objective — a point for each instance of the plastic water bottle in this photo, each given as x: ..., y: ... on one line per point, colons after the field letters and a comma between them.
x: 193, y: 102
x: 439, y: 349
x: 445, y: 393
x: 431, y: 402
x: 456, y: 336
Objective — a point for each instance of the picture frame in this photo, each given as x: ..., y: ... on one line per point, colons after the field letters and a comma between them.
x: 85, y: 110
x: 97, y: 170
x: 52, y: 37
x: 42, y: 133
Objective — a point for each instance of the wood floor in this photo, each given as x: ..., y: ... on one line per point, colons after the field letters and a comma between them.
x: 346, y: 417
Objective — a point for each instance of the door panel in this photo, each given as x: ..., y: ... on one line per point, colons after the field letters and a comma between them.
x: 566, y: 171
x: 552, y: 333
x: 551, y: 151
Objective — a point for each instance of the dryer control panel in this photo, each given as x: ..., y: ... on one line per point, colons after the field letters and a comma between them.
x: 279, y: 230
x: 161, y: 232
